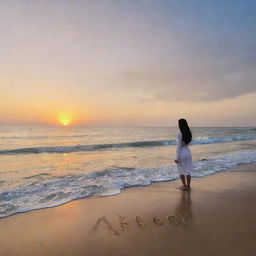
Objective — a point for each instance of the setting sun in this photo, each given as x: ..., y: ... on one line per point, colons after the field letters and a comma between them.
x: 64, y: 119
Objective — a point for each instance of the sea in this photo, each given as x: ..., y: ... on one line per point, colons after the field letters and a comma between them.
x: 42, y: 167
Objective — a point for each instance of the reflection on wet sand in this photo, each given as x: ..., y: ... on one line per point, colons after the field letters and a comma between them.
x: 183, y: 209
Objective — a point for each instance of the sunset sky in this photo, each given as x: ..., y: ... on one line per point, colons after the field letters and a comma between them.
x: 128, y: 62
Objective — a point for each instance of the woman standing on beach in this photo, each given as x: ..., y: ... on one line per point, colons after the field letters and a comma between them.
x: 183, y: 154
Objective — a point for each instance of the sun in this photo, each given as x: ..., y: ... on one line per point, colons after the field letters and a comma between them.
x: 64, y: 119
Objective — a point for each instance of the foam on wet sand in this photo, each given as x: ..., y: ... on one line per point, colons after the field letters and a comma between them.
x: 216, y: 218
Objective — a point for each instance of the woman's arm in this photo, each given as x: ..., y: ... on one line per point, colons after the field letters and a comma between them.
x: 179, y: 143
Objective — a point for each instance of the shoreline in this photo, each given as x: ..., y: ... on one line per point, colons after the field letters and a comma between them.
x: 144, y: 220
x: 246, y: 165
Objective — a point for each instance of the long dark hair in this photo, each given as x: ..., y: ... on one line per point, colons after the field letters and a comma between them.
x: 185, y: 130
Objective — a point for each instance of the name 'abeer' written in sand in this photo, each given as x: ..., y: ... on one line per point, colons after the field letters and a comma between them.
x: 179, y: 219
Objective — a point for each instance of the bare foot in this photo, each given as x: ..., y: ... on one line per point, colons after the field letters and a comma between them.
x: 183, y: 188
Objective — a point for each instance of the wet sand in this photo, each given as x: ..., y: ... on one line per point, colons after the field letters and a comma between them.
x: 216, y: 218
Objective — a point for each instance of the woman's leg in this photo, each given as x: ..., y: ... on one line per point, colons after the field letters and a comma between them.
x: 188, y: 181
x: 182, y: 177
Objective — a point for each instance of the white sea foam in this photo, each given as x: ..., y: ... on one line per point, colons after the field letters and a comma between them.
x: 52, y: 191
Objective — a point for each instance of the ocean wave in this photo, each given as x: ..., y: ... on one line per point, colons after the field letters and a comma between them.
x: 207, y: 140
x: 136, y: 144
x: 56, y: 190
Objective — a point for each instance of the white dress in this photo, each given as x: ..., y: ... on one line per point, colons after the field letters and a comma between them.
x: 184, y: 157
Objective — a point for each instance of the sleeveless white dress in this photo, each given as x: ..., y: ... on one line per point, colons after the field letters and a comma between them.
x: 184, y: 157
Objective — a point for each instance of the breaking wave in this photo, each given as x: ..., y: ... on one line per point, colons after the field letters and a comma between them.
x: 45, y: 190
x: 136, y: 144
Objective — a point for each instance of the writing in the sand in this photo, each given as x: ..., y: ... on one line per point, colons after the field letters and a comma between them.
x: 180, y: 219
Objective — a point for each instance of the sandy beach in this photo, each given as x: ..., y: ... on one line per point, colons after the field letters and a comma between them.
x: 216, y: 218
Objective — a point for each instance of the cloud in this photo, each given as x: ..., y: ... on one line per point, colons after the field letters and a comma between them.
x: 113, y: 56
x: 207, y: 74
